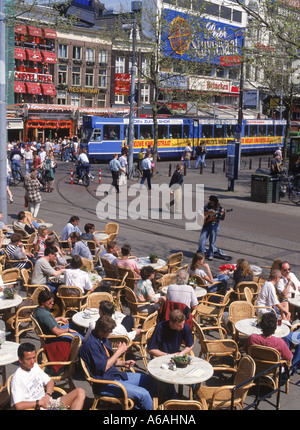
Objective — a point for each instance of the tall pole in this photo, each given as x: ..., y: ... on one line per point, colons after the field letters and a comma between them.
x: 132, y: 101
x: 3, y: 132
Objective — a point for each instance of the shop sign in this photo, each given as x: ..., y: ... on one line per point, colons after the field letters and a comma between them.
x: 33, y: 77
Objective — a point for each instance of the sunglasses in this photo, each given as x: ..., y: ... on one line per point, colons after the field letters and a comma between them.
x: 286, y: 270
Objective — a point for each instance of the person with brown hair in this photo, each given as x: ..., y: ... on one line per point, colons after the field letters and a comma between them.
x: 202, y: 269
x: 102, y: 362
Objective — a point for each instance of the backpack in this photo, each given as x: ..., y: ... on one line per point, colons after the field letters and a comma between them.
x: 47, y: 165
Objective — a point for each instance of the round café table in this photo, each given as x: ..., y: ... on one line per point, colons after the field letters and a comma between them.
x: 196, y: 372
x: 199, y: 291
x: 101, y: 236
x: 145, y: 261
x: 80, y: 319
x: 8, y: 355
x: 294, y: 305
x: 248, y: 326
x: 9, y: 303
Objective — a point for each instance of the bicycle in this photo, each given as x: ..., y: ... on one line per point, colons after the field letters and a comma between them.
x: 135, y: 173
x: 288, y: 187
x: 16, y: 176
x: 85, y: 177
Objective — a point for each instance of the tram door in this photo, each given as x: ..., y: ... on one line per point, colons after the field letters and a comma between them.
x: 196, y: 133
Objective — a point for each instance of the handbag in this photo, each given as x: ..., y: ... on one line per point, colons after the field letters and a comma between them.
x: 25, y: 202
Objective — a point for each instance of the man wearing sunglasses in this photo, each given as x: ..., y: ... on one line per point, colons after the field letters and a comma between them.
x: 288, y: 282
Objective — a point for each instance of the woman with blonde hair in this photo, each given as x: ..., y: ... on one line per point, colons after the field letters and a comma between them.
x: 243, y: 271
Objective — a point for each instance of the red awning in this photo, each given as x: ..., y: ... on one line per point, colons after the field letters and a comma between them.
x: 33, y: 88
x: 34, y: 31
x: 20, y: 29
x: 49, y: 33
x: 48, y: 89
x: 20, y: 53
x: 49, y: 57
x: 33, y: 55
x: 20, y: 87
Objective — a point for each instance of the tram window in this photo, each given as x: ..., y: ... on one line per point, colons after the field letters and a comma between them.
x: 146, y: 132
x: 246, y: 130
x: 97, y: 134
x: 111, y: 132
x: 136, y: 132
x: 219, y: 131
x: 162, y: 131
x: 86, y: 135
x: 207, y: 131
x: 271, y: 130
x: 261, y: 130
x: 279, y: 130
x: 175, y: 131
x: 186, y: 131
x: 126, y: 132
x: 253, y: 130
x: 229, y: 131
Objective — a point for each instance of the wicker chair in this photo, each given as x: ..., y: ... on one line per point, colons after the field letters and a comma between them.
x: 239, y: 310
x: 164, y: 281
x: 248, y: 295
x: 92, y: 246
x: 207, y: 309
x: 112, y: 229
x: 131, y: 277
x: 30, y: 288
x: 265, y: 357
x: 65, y: 376
x: 110, y: 271
x: 22, y: 232
x: 20, y: 322
x: 11, y: 275
x: 173, y: 264
x: 11, y: 264
x: 31, y: 218
x: 240, y: 287
x: 71, y: 298
x: 94, y: 299
x: 104, y: 402
x: 46, y: 337
x: 115, y: 340
x: 87, y: 264
x: 182, y: 405
x: 216, y: 348
x: 220, y: 397
x: 140, y: 341
x: 134, y: 305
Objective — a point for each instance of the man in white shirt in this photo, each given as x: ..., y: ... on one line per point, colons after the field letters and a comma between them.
x: 77, y: 277
x: 29, y: 383
x: 112, y: 249
x: 146, y: 168
x: 83, y: 163
x: 288, y: 282
x: 71, y: 226
x: 267, y: 297
x: 123, y: 163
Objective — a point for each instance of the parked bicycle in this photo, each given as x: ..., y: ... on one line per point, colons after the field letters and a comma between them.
x: 16, y: 176
x: 287, y: 187
x: 135, y: 173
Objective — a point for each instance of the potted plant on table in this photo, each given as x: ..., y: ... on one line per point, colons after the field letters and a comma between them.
x: 153, y: 258
x: 9, y: 293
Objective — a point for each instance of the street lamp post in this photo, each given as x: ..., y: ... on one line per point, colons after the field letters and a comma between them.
x: 135, y: 7
x: 3, y: 132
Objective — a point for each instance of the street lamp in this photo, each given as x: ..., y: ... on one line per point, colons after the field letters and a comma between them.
x: 135, y: 8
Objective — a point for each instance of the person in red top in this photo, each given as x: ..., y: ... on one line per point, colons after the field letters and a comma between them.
x: 268, y: 325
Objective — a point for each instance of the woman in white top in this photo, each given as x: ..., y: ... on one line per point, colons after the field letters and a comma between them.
x: 202, y: 269
x: 77, y: 277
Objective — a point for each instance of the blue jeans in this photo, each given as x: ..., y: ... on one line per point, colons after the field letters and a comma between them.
x: 140, y: 388
x: 290, y: 339
x: 208, y: 232
x: 200, y: 159
x: 146, y: 175
x: 15, y: 165
x: 67, y: 154
x: 28, y: 166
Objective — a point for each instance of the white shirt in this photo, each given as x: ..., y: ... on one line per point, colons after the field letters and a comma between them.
x: 28, y: 386
x: 182, y: 294
x: 118, y: 330
x: 267, y: 297
x: 283, y: 283
x: 83, y: 158
x: 78, y: 278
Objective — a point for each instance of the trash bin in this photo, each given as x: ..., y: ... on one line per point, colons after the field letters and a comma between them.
x: 265, y: 188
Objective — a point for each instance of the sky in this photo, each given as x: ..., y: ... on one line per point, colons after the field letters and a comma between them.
x: 117, y: 4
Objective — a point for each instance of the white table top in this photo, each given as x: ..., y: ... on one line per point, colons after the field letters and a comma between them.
x: 101, y: 236
x: 9, y: 303
x: 295, y: 301
x: 199, y: 291
x: 145, y: 261
x: 9, y: 353
x: 198, y: 371
x: 248, y: 327
x: 47, y: 224
x: 79, y: 318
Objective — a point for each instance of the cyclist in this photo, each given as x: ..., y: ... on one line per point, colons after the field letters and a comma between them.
x: 15, y: 157
x: 83, y: 164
